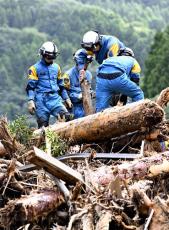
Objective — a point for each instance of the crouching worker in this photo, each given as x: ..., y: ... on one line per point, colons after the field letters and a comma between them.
x: 116, y: 75
x: 72, y: 81
x: 44, y: 87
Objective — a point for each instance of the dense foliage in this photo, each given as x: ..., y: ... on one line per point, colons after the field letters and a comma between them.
x: 157, y: 68
x: 25, y: 25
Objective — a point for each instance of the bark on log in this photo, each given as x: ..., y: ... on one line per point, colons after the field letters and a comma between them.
x: 148, y: 167
x: 29, y: 208
x: 109, y: 123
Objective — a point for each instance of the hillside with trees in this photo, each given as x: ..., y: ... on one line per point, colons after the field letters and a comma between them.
x: 157, y: 68
x: 25, y: 25
x: 108, y: 169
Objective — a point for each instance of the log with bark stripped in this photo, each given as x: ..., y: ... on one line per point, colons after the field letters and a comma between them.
x: 109, y: 123
x: 86, y: 93
x: 147, y: 167
x: 29, y: 209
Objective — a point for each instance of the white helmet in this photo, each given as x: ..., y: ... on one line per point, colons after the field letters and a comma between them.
x: 90, y: 40
x: 49, y: 50
x: 126, y: 52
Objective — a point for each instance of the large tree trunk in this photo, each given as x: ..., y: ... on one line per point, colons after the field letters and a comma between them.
x: 110, y: 123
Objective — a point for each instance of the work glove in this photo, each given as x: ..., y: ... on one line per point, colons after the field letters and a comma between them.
x: 69, y: 103
x: 31, y: 107
x: 89, y: 59
x: 82, y: 75
x: 80, y: 96
x: 93, y: 94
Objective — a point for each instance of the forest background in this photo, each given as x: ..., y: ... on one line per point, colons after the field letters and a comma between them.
x: 24, y: 25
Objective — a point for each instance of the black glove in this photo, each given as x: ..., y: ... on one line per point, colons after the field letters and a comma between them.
x: 123, y: 99
x: 114, y: 99
x: 65, y: 116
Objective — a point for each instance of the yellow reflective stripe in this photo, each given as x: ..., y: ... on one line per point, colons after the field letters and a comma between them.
x: 32, y: 74
x: 166, y: 144
x: 66, y: 81
x: 114, y: 49
x: 136, y: 67
x: 59, y: 73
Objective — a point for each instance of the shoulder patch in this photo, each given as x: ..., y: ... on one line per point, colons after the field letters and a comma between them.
x: 32, y: 74
x: 136, y: 67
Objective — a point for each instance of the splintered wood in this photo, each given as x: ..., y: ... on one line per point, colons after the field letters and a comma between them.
x: 88, y: 191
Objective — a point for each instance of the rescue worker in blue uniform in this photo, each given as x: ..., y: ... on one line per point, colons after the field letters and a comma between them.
x: 72, y: 81
x: 119, y: 74
x: 44, y: 87
x: 101, y: 46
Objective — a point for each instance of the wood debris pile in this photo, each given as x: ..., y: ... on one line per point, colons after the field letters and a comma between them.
x: 116, y: 179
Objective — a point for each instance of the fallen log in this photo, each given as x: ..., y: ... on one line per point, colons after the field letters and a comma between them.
x: 109, y: 123
x: 29, y: 209
x: 147, y: 167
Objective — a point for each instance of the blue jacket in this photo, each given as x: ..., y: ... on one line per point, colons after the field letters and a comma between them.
x: 110, y: 46
x: 72, y: 83
x: 43, y: 78
x: 125, y: 64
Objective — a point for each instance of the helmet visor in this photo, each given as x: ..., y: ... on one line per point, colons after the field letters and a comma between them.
x: 50, y: 56
x: 87, y: 46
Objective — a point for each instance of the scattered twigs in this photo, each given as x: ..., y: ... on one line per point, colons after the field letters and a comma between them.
x: 146, y: 226
x: 10, y: 173
x: 76, y: 217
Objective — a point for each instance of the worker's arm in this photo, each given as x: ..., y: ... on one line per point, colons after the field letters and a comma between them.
x: 135, y: 72
x: 30, y: 88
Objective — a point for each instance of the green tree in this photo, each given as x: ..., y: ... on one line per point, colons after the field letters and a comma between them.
x: 157, y: 68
